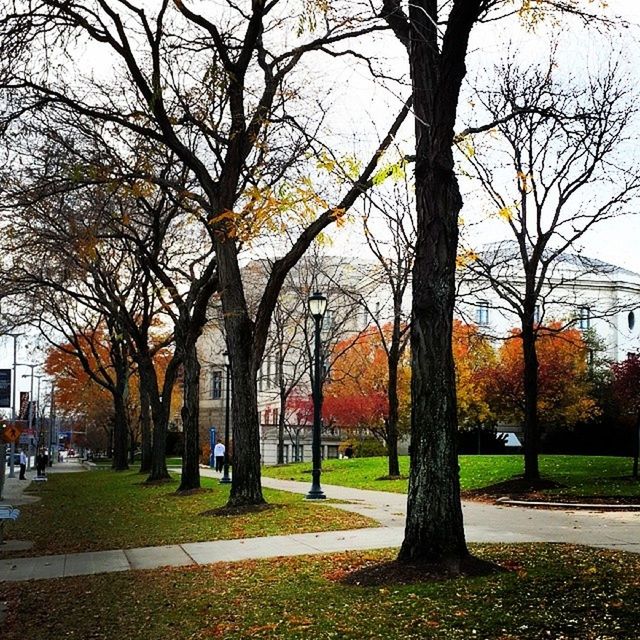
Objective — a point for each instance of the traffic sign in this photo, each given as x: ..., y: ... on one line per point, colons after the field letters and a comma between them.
x: 11, y: 433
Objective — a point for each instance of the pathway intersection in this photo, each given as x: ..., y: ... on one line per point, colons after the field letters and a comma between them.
x: 483, y: 523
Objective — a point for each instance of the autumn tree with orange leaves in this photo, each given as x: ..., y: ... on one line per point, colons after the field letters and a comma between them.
x: 356, y: 395
x: 564, y: 397
x: 473, y: 356
x: 84, y: 385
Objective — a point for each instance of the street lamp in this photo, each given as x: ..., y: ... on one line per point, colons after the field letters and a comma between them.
x: 31, y: 406
x: 317, y: 308
x: 225, y: 473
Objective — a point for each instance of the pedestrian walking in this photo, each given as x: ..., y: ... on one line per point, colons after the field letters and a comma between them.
x: 23, y: 464
x: 218, y: 453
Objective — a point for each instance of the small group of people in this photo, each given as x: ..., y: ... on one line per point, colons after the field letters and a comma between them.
x: 41, y: 463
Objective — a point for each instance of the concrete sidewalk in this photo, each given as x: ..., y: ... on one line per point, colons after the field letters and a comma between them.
x: 483, y: 523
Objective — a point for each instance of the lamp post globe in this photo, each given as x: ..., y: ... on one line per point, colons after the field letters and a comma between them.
x: 225, y: 469
x: 317, y: 308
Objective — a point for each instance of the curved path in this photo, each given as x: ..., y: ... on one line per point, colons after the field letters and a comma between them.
x: 483, y: 523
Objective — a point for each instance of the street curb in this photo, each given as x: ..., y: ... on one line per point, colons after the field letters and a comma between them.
x: 568, y: 505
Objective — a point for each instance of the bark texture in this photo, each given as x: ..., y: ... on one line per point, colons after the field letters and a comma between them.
x: 190, y: 478
x: 434, y: 530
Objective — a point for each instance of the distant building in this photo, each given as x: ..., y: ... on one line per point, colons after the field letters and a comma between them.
x: 285, y: 369
x: 578, y: 291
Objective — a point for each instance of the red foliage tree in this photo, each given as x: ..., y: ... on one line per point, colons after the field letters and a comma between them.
x: 626, y: 392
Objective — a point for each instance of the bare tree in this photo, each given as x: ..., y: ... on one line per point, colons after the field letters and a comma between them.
x: 566, y: 165
x: 389, y: 230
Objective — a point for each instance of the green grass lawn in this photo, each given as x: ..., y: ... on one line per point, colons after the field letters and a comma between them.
x: 108, y: 510
x: 548, y: 591
x: 582, y: 475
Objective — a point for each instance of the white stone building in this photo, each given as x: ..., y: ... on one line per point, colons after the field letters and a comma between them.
x: 286, y: 363
x: 577, y: 291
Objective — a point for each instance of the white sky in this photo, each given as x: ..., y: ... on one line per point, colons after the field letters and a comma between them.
x: 615, y: 241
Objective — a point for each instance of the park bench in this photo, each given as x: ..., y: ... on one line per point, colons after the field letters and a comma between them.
x: 7, y: 512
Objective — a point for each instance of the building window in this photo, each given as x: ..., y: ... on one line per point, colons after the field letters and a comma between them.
x: 269, y: 380
x: 275, y: 416
x: 537, y: 314
x: 215, y: 391
x: 482, y: 313
x: 332, y: 451
x: 278, y: 372
x: 631, y: 320
x: 584, y: 317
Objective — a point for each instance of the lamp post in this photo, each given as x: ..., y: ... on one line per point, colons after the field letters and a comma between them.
x: 225, y: 474
x: 30, y: 410
x: 317, y: 308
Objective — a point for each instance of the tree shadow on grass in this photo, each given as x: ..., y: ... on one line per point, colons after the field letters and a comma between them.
x: 240, y: 510
x: 402, y: 573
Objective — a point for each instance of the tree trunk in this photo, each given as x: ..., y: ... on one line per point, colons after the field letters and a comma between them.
x: 160, y: 415
x: 145, y: 428
x: 634, y: 473
x: 120, y: 432
x: 434, y: 530
x: 246, y: 488
x: 281, y: 417
x: 392, y: 421
x: 132, y: 447
x: 530, y: 381
x: 245, y: 483
x: 190, y: 478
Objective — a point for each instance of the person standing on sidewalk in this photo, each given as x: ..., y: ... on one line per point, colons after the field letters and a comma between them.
x: 41, y: 463
x: 23, y: 464
x: 218, y: 453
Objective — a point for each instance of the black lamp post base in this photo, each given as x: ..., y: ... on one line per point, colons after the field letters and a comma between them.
x: 226, y: 480
x: 315, y: 494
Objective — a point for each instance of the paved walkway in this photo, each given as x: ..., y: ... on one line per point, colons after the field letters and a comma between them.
x: 483, y: 523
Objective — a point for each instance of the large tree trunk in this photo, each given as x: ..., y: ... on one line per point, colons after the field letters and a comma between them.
x: 530, y: 382
x: 245, y: 481
x: 160, y: 415
x: 392, y: 421
x: 190, y: 478
x: 434, y: 530
x: 246, y: 488
x: 120, y: 431
x: 145, y: 428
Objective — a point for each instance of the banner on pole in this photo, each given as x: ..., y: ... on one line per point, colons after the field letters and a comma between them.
x: 5, y: 387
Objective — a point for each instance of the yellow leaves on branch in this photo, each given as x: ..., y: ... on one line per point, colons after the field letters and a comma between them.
x: 395, y: 171
x: 266, y: 210
x: 524, y: 181
x: 308, y: 19
x: 465, y: 258
x: 533, y: 12
x: 345, y: 169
